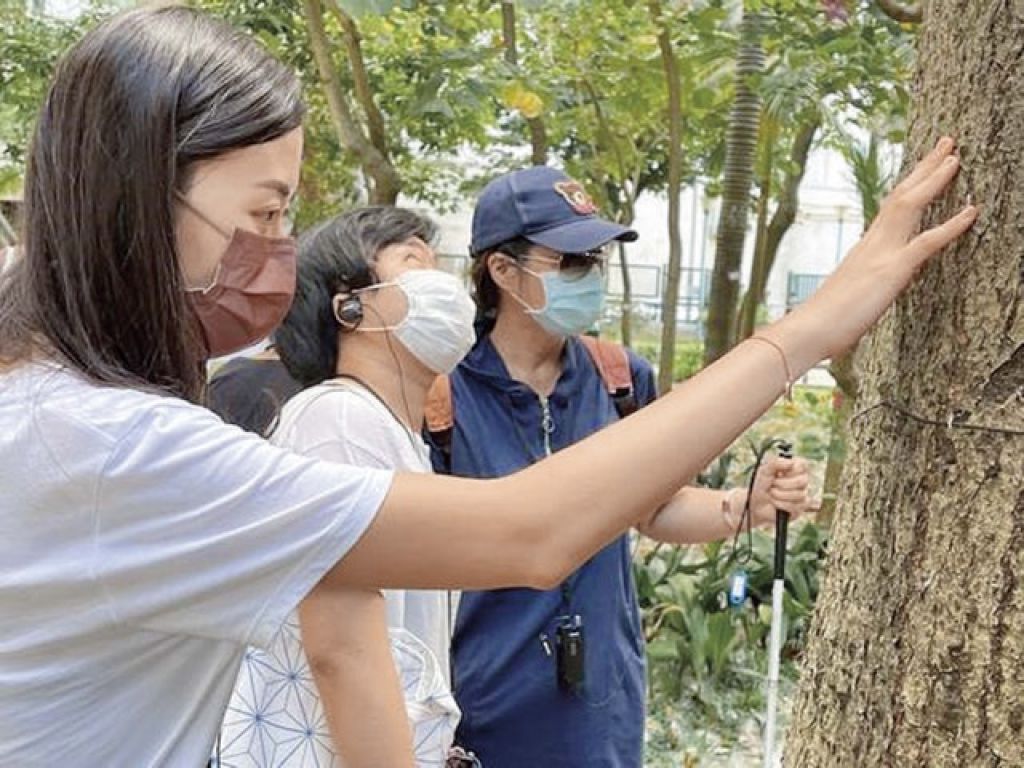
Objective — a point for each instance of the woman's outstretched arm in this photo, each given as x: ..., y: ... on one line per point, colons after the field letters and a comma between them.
x: 536, y: 526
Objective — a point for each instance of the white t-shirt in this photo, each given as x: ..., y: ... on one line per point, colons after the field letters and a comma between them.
x: 143, y: 545
x: 275, y: 718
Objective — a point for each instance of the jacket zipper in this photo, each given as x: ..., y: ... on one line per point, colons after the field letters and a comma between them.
x: 547, y: 424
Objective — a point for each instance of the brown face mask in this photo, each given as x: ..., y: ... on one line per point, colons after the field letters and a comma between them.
x: 250, y: 293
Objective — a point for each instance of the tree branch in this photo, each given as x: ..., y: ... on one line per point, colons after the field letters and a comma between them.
x: 912, y: 13
x: 385, y: 180
x: 538, y: 132
x: 360, y: 78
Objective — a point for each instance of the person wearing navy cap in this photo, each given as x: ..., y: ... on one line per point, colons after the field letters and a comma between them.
x: 556, y: 678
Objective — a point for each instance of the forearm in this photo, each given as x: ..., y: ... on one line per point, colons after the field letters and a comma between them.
x: 533, y: 527
x: 693, y: 516
x: 345, y: 636
x: 538, y: 525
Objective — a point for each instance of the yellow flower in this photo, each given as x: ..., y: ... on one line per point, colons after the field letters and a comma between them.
x: 518, y: 97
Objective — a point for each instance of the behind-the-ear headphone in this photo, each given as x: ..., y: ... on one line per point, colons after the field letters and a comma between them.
x: 348, y: 311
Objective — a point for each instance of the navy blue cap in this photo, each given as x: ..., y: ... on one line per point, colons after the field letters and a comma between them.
x: 546, y: 207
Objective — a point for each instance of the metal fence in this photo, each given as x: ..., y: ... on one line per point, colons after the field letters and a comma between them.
x: 799, y: 287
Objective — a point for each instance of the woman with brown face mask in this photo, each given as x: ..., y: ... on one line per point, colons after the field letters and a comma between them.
x: 145, y: 543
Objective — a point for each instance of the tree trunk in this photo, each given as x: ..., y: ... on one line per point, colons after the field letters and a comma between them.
x: 740, y: 153
x: 844, y: 398
x: 622, y: 193
x: 535, y: 125
x: 758, y: 269
x: 670, y: 296
x: 385, y: 183
x: 361, y: 79
x: 626, y: 321
x: 781, y: 221
x: 916, y: 655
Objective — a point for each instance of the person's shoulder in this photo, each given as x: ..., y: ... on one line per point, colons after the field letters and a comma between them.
x: 639, y: 367
x: 238, y: 373
x: 53, y: 391
x: 344, y: 422
x: 229, y: 368
x: 330, y: 407
x: 78, y: 424
x: 638, y: 364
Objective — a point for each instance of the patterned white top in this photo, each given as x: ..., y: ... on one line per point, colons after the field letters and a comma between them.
x: 275, y: 718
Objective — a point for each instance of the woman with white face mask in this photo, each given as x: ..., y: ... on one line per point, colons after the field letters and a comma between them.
x: 372, y: 325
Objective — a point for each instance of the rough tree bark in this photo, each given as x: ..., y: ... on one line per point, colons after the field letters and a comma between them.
x: 740, y: 153
x: 916, y: 655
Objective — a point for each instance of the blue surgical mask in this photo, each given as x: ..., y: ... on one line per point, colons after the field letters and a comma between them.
x: 570, y: 306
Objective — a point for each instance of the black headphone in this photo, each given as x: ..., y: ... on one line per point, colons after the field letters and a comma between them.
x: 348, y: 311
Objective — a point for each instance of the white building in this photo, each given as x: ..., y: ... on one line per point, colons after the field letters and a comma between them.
x: 828, y: 223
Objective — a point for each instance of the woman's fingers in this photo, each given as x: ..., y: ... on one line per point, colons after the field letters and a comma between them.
x: 796, y: 508
x: 789, y: 497
x: 902, y: 209
x: 927, y: 165
x: 932, y: 185
x: 795, y: 483
x: 776, y: 465
x: 933, y: 240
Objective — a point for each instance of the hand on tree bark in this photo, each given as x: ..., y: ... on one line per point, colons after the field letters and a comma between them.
x: 881, y: 266
x: 780, y: 484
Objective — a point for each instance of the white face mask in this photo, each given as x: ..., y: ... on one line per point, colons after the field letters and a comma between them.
x: 438, y: 325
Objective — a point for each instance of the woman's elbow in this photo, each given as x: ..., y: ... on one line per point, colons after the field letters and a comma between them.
x: 540, y: 556
x: 328, y: 663
x: 545, y: 560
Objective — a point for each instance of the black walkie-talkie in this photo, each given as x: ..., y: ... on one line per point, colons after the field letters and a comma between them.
x: 569, y: 653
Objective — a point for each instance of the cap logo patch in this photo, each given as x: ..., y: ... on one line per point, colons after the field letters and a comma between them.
x: 576, y: 196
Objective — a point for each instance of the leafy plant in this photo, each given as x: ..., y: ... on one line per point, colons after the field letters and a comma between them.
x: 706, y: 659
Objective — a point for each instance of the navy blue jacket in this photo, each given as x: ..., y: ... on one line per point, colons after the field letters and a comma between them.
x: 513, y: 713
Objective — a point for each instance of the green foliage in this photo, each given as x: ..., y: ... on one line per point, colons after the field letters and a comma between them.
x: 359, y: 8
x: 707, y: 660
x: 708, y: 656
x: 870, y: 174
x: 689, y: 356
x: 32, y: 45
x: 590, y: 71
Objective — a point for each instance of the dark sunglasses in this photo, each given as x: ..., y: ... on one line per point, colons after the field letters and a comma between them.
x: 576, y: 266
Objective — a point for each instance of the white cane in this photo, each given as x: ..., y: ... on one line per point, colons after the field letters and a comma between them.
x: 778, y: 621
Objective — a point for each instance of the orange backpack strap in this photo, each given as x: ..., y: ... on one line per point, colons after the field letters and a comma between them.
x: 438, y: 412
x: 439, y: 417
x: 612, y: 363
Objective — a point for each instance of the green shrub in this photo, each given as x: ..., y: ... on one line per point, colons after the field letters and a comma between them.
x: 689, y: 356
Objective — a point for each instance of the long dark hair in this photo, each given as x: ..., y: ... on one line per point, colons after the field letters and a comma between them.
x: 132, y: 106
x: 335, y: 257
